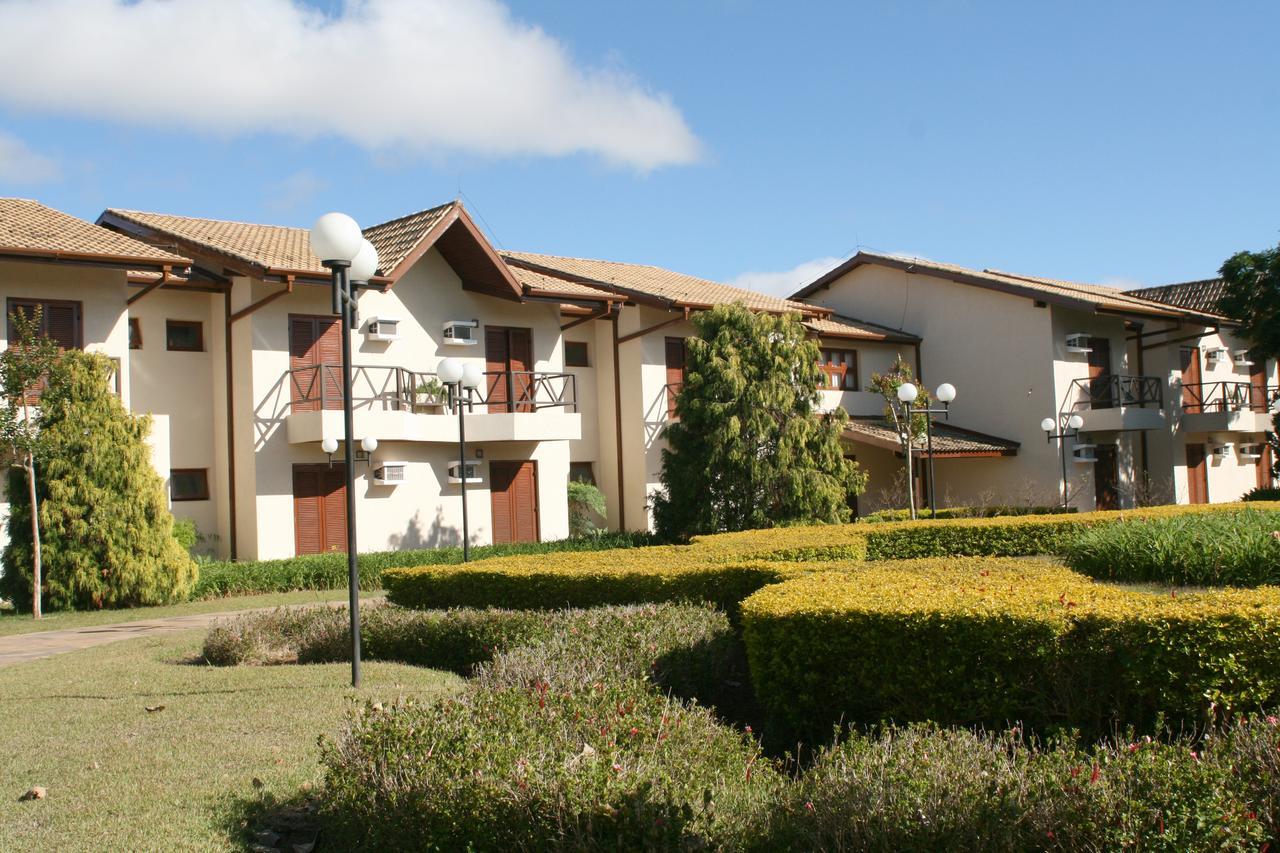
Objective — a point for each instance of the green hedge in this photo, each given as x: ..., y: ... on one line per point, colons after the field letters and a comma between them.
x: 963, y: 512
x: 993, y: 641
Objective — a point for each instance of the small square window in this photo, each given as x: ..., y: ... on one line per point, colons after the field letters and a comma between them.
x: 575, y: 354
x: 135, y: 333
x: 184, y: 335
x: 189, y: 484
x: 582, y: 472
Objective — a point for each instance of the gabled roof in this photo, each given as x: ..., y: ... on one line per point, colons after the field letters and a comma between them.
x: 31, y: 229
x: 284, y: 251
x: 1202, y: 296
x: 1069, y: 294
x: 540, y: 284
x: 949, y: 440
x: 839, y: 326
x: 654, y: 284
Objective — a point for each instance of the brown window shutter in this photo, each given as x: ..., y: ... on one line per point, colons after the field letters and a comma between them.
x: 521, y: 362
x: 304, y: 382
x: 525, y: 499
x: 335, y: 510
x: 501, y: 475
x: 675, y: 357
x: 329, y: 356
x: 497, y: 358
x: 308, y: 533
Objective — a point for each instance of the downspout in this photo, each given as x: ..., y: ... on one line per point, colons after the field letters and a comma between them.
x: 919, y: 364
x: 617, y: 420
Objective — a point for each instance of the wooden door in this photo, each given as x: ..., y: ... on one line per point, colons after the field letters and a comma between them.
x: 315, y: 363
x: 1192, y: 390
x: 1258, y: 386
x: 1197, y: 474
x: 1106, y: 474
x: 1100, y: 390
x: 319, y: 509
x: 1265, y: 479
x: 675, y: 356
x: 513, y: 489
x: 508, y: 355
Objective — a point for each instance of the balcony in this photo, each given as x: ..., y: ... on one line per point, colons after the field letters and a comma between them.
x: 1227, y: 407
x: 396, y: 404
x: 1118, y: 403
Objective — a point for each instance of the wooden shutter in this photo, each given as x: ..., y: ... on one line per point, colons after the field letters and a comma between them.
x: 525, y: 503
x: 319, y: 509
x: 501, y: 476
x: 675, y: 357
x: 521, y: 364
x: 1258, y: 386
x: 513, y: 488
x: 1264, y: 467
x: 497, y: 358
x: 315, y: 363
x: 1197, y: 475
x: 59, y: 320
x: 1100, y: 373
x: 1192, y: 390
x: 335, y: 510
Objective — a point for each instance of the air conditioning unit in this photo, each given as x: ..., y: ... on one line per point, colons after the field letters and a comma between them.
x: 390, y: 473
x: 1222, y: 451
x: 1240, y: 358
x: 1251, y: 451
x: 382, y: 329
x: 1078, y: 342
x: 1213, y: 355
x: 1085, y: 453
x: 473, y: 472
x: 461, y: 332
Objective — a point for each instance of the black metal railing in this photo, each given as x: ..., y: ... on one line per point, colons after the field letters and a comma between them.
x: 1201, y: 397
x: 1109, y: 392
x: 388, y: 388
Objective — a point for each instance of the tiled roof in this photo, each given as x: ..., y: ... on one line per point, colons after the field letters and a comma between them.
x: 396, y: 239
x: 1200, y: 296
x: 1069, y: 293
x: 839, y: 326
x: 655, y: 282
x: 30, y: 228
x: 539, y: 284
x: 948, y: 439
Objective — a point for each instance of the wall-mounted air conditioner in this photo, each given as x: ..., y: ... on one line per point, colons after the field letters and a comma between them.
x: 1085, y: 453
x: 1222, y: 451
x: 390, y: 473
x: 1214, y: 355
x: 1251, y: 452
x: 1078, y: 342
x: 472, y: 468
x: 461, y: 332
x: 383, y: 329
x: 1240, y: 358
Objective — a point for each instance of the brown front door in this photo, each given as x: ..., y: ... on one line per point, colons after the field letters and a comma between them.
x: 675, y: 373
x: 1105, y: 476
x: 1197, y: 475
x: 1258, y: 386
x: 319, y: 509
x: 315, y: 363
x: 513, y: 487
x: 508, y: 355
x: 1192, y: 390
x: 1100, y: 373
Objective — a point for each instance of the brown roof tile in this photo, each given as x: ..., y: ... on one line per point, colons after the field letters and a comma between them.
x: 948, y: 439
x: 30, y: 228
x: 1202, y: 296
x: 540, y: 284
x: 838, y: 326
x: 396, y: 239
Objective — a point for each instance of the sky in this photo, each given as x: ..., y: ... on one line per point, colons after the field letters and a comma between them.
x: 749, y: 142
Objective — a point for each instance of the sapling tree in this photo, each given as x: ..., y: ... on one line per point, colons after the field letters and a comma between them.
x: 910, y: 431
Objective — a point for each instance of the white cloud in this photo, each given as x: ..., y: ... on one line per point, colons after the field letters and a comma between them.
x: 786, y: 282
x: 419, y: 75
x: 20, y: 165
x: 294, y: 191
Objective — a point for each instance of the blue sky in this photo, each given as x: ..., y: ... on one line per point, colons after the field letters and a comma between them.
x: 1132, y: 143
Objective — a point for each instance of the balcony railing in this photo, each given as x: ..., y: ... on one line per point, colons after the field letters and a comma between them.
x: 1201, y: 397
x: 387, y: 388
x: 1108, y: 392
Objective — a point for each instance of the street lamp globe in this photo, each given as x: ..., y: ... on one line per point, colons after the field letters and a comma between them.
x: 907, y: 392
x: 335, y: 237
x: 472, y: 376
x: 946, y: 392
x: 329, y: 445
x: 369, y: 444
x: 1047, y: 424
x: 365, y: 263
x: 449, y: 370
x: 1075, y: 422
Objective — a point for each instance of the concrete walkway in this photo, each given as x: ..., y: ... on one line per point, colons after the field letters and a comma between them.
x: 44, y: 644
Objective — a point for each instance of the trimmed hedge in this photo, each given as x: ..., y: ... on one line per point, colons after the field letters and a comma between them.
x: 963, y: 512
x: 994, y: 641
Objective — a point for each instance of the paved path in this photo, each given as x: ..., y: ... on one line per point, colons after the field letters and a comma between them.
x: 44, y: 644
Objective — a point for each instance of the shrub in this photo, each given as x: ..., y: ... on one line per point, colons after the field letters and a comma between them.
x: 1262, y: 493
x: 996, y: 641
x: 186, y: 532
x: 964, y: 512
x: 1216, y: 549
x: 586, y: 502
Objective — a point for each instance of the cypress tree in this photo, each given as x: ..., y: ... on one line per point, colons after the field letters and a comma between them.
x: 106, y: 528
x: 750, y: 448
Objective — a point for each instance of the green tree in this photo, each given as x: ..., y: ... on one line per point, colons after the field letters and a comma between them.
x: 107, y: 531
x: 910, y: 433
x: 750, y: 448
x: 1252, y: 298
x: 23, y: 366
x: 586, y: 502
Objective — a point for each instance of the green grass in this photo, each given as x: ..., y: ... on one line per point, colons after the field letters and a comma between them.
x: 122, y: 778
x: 22, y: 623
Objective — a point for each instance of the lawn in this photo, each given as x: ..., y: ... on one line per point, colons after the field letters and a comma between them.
x: 22, y: 623
x: 120, y: 777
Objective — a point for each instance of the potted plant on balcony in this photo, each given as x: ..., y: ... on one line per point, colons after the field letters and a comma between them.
x: 429, y: 397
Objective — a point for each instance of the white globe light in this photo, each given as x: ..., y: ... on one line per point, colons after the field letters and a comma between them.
x: 365, y: 263
x: 369, y: 444
x: 472, y: 375
x: 335, y: 237
x: 946, y: 392
x: 449, y: 370
x: 1047, y: 425
x: 907, y: 392
x: 1075, y: 422
x: 329, y: 445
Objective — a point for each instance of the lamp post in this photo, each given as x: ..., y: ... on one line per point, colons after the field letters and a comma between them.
x: 453, y: 372
x: 907, y: 393
x: 351, y: 261
x: 945, y: 394
x: 1071, y: 429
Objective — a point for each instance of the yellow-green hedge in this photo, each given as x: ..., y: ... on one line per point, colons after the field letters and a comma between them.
x: 992, y: 641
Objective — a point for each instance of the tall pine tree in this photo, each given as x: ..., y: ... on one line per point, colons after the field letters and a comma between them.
x: 750, y: 448
x: 106, y: 527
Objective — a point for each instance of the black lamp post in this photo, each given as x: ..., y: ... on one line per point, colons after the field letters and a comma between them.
x: 1069, y: 428
x: 459, y: 376
x: 907, y: 394
x: 337, y: 241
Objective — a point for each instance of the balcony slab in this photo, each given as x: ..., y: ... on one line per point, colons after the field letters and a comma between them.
x: 1121, y: 419
x: 1227, y: 421
x: 305, y: 427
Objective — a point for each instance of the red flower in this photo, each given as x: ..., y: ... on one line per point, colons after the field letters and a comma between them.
x: 809, y: 806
